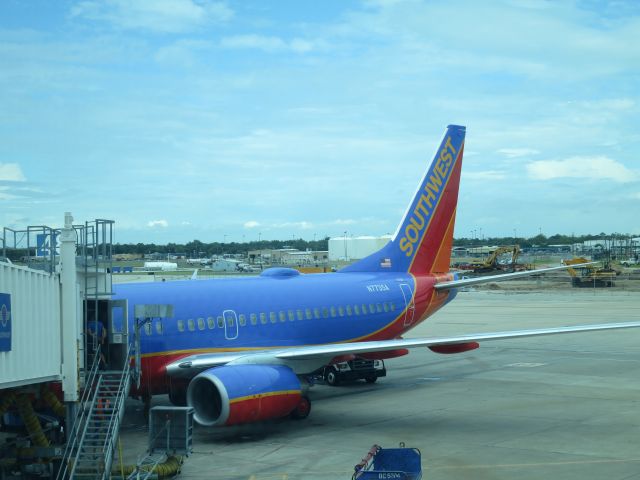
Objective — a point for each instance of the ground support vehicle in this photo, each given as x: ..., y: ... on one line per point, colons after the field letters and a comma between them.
x: 386, y: 463
x: 356, y: 369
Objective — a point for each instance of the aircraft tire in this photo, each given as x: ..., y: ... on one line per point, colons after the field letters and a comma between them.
x: 303, y: 409
x: 331, y: 377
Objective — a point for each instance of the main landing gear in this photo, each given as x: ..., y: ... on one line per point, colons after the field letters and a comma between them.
x: 303, y: 409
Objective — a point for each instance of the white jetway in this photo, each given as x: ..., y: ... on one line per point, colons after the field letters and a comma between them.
x: 30, y: 351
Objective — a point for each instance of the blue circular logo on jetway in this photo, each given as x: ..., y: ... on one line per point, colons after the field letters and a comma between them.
x: 5, y: 315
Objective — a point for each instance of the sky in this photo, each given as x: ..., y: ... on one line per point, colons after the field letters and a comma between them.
x: 238, y: 121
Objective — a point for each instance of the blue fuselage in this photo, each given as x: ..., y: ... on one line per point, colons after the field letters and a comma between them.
x: 272, y: 310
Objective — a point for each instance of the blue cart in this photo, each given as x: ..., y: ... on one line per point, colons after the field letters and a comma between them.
x: 390, y: 463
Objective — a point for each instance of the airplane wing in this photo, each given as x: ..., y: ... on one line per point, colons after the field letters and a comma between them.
x: 333, y: 350
x: 307, y: 359
x: 465, y: 282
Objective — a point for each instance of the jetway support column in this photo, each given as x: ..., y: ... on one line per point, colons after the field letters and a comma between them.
x: 69, y: 307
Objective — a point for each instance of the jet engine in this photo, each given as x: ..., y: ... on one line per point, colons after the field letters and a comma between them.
x: 234, y: 394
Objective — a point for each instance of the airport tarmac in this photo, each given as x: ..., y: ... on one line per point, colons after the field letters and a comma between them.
x: 566, y: 406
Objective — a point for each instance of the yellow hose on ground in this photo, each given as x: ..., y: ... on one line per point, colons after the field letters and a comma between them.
x: 31, y: 420
x: 52, y: 401
x: 169, y: 468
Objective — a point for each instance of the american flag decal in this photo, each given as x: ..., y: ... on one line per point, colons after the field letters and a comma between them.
x: 385, y: 263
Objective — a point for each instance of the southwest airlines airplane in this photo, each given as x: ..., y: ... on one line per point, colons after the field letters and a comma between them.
x: 243, y: 349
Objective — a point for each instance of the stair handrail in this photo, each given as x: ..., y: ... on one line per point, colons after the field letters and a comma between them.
x: 81, y: 417
x: 115, y: 418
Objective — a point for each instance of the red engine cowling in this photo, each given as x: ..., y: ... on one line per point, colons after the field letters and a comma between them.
x: 235, y: 394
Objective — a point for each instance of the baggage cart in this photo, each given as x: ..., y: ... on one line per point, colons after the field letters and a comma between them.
x: 390, y: 463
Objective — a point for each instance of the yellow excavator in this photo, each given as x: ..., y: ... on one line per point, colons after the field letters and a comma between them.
x: 591, y: 275
x: 491, y: 264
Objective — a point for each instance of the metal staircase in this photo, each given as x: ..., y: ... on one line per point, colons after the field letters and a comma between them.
x: 92, y: 440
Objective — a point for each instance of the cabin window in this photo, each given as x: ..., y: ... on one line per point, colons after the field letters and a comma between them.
x: 364, y: 309
x: 201, y: 323
x: 230, y: 321
x: 292, y: 316
x: 272, y: 317
x: 325, y: 312
x: 392, y: 306
x: 220, y: 321
x: 253, y: 318
x: 308, y: 314
x: 181, y: 325
x: 147, y: 327
x: 263, y: 317
x: 372, y: 308
x: 333, y: 312
x: 282, y: 315
x: 341, y: 311
x: 211, y: 323
x: 378, y: 308
x: 356, y: 309
x: 385, y: 305
x: 242, y: 320
x: 316, y: 313
x: 191, y: 325
x: 159, y: 327
x: 299, y: 314
x: 349, y: 310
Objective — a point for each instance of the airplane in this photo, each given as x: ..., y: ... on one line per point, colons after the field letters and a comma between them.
x: 243, y: 350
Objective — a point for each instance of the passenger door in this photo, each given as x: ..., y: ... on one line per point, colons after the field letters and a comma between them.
x: 230, y: 324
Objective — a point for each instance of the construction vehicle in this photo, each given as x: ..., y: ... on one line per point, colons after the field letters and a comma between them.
x: 491, y: 263
x: 591, y: 275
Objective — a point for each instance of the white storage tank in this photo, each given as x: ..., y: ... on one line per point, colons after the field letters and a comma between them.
x: 355, y: 248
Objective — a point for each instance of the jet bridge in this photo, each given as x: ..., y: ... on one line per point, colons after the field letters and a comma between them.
x: 52, y: 283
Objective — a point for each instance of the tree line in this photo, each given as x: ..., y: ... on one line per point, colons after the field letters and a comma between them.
x: 198, y: 249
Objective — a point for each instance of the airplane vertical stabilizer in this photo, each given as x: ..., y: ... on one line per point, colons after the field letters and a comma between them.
x: 422, y: 243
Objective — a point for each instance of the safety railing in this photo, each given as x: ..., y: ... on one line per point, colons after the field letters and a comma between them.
x: 80, y: 421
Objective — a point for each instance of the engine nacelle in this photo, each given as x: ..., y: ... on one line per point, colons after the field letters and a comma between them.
x: 234, y: 394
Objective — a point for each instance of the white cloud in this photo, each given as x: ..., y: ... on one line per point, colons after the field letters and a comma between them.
x: 251, y: 224
x: 347, y: 221
x: 615, y: 104
x: 518, y: 152
x: 267, y: 43
x: 167, y: 16
x: 304, y: 225
x: 158, y: 223
x: 183, y: 53
x: 486, y: 175
x: 5, y: 196
x: 581, y: 167
x: 11, y: 172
